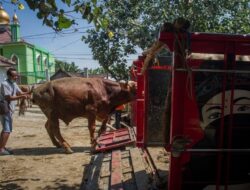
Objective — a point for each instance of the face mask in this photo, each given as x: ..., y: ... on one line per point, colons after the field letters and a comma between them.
x: 239, y: 166
x: 11, y: 80
x: 240, y: 131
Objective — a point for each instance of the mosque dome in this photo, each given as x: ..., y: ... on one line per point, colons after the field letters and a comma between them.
x: 4, y: 17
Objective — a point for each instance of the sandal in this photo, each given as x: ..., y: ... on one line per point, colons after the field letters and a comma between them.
x: 4, y: 152
x: 9, y: 150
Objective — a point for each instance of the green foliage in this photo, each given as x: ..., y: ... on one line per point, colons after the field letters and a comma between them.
x: 123, y: 26
x: 58, y: 19
x: 136, y: 24
x: 64, y: 22
x: 68, y: 67
x: 96, y: 71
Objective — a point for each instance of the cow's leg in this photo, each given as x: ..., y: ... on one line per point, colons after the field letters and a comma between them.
x: 91, y: 126
x: 51, y: 135
x: 103, y: 126
x: 54, y: 125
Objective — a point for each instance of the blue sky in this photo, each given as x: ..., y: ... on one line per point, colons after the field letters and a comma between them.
x: 66, y: 46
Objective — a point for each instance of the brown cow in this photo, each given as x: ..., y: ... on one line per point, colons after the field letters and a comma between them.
x: 69, y: 98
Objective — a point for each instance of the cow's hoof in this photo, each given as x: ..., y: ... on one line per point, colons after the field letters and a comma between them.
x: 93, y: 146
x: 92, y: 150
x: 68, y: 150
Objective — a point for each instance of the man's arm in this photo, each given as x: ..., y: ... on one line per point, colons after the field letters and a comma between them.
x: 16, y: 97
x: 8, y: 94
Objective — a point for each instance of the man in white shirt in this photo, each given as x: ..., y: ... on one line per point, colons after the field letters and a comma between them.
x: 9, y: 92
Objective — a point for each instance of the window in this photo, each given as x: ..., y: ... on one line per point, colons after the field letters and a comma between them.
x: 15, y: 59
x: 45, y: 61
x: 38, y: 61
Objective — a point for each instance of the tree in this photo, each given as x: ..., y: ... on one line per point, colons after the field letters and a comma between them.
x: 96, y: 71
x: 61, y: 17
x: 122, y: 26
x: 136, y: 24
x: 72, y: 68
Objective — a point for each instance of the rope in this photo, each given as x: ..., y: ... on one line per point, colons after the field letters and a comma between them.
x: 157, y: 46
x: 184, y: 55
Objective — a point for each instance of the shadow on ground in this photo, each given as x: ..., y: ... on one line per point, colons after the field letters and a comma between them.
x: 39, y: 151
x: 57, y: 184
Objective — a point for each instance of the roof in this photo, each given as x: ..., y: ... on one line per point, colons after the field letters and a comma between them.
x: 4, y: 62
x: 5, y: 35
x: 97, y: 75
x: 61, y: 73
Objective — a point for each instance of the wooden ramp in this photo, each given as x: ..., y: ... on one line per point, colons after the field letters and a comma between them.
x: 128, y: 169
x: 115, y: 139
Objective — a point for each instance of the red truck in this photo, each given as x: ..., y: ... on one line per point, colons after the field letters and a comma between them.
x: 198, y: 107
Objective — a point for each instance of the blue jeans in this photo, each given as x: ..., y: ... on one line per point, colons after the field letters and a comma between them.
x: 6, y: 121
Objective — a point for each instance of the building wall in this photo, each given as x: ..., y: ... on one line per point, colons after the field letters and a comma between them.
x: 16, y: 49
x: 52, y: 63
x: 29, y: 59
x: 31, y: 68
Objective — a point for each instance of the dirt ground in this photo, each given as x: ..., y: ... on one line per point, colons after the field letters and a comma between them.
x: 36, y: 163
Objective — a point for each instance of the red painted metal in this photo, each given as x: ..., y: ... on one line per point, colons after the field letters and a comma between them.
x: 140, y: 120
x: 114, y: 139
x: 134, y: 73
x: 133, y: 77
x: 211, y: 43
x: 165, y: 67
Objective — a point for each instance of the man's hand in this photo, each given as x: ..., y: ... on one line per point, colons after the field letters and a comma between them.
x: 26, y: 96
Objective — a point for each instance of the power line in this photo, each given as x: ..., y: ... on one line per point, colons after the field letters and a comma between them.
x: 62, y: 32
x: 66, y: 45
x: 78, y: 58
x: 70, y: 54
x: 53, y: 37
x: 6, y: 2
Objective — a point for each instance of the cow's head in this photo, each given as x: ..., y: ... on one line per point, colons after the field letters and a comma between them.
x: 23, y: 102
x: 43, y: 94
x: 131, y: 87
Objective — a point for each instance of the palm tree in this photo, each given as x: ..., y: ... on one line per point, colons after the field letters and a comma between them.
x: 68, y: 67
